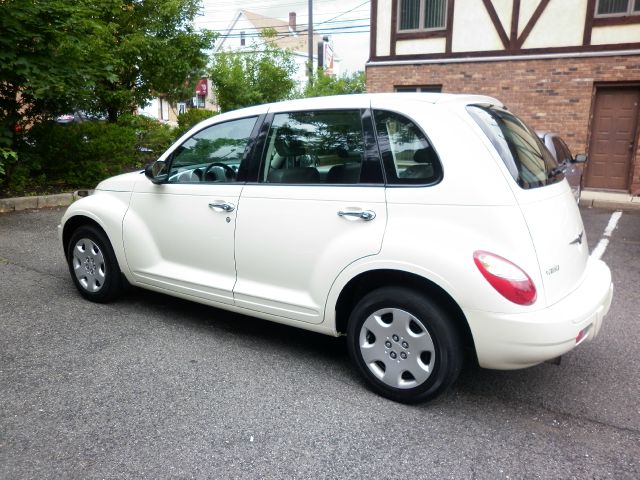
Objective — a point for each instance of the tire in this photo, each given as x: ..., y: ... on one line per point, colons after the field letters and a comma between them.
x: 93, y: 265
x: 406, y: 347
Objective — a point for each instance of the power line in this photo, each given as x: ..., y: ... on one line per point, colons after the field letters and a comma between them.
x: 305, y: 29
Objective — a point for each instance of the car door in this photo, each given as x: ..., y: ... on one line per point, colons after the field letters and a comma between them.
x: 179, y: 235
x: 318, y: 205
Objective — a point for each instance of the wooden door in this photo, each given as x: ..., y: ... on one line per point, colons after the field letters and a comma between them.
x: 613, y: 132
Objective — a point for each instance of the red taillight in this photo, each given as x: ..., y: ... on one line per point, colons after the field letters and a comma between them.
x: 507, y: 278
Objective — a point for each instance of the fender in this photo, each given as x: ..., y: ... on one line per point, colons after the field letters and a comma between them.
x: 107, y: 209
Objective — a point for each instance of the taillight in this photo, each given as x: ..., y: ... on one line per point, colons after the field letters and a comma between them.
x: 507, y: 278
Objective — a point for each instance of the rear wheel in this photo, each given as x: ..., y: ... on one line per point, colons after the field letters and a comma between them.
x: 93, y: 265
x: 404, y: 344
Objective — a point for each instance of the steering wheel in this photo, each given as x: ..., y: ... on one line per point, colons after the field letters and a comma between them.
x: 230, y: 173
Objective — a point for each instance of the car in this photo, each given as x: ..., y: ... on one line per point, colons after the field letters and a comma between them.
x: 426, y: 228
x: 573, y: 166
x: 79, y: 117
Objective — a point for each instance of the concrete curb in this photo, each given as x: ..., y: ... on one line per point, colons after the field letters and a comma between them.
x: 41, y: 201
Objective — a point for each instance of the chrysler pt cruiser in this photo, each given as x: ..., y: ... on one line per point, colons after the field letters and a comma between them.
x: 424, y: 227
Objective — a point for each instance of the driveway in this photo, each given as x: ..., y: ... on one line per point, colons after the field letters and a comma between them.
x: 155, y: 387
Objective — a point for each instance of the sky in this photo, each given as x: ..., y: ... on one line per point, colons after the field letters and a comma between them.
x: 346, y: 21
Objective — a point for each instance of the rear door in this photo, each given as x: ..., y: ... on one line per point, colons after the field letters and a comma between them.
x: 546, y: 201
x: 318, y: 205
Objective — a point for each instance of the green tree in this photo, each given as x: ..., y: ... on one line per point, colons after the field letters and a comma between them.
x: 261, y: 74
x: 154, y: 50
x: 48, y: 60
x: 323, y: 85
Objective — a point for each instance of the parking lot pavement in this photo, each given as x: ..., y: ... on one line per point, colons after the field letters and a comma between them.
x: 154, y: 387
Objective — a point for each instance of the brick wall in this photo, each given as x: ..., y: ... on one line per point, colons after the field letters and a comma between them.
x: 553, y: 95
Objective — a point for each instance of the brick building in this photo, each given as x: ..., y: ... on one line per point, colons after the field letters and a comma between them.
x: 567, y: 66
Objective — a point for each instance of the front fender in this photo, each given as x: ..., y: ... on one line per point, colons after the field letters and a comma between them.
x: 107, y: 209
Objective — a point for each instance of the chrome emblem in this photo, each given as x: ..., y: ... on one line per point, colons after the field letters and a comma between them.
x: 577, y: 240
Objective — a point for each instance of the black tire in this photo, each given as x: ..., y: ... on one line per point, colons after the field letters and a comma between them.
x: 420, y: 354
x: 96, y: 273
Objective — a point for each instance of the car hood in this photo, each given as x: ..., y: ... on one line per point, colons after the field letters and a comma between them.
x: 120, y: 183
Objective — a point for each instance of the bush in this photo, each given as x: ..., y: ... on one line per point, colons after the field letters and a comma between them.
x: 190, y: 118
x: 54, y: 158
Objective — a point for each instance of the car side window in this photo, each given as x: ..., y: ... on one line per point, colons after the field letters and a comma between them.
x: 408, y: 156
x: 213, y: 154
x: 314, y: 147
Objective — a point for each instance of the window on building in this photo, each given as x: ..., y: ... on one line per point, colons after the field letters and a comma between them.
x: 422, y: 14
x: 617, y: 7
x: 243, y: 40
x: 419, y: 88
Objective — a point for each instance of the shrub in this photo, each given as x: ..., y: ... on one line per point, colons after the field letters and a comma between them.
x: 190, y: 118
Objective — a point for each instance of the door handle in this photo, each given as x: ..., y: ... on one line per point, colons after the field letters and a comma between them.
x: 366, y: 215
x: 224, y: 206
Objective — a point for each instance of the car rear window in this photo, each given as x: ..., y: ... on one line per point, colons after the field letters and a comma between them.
x: 529, y: 162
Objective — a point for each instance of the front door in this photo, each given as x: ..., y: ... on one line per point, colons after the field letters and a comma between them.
x: 318, y: 206
x: 179, y: 235
x: 613, y: 133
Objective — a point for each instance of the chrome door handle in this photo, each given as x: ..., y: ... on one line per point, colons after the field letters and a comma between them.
x: 224, y: 206
x: 366, y: 215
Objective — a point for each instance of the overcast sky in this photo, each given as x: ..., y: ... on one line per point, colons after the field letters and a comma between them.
x: 346, y: 21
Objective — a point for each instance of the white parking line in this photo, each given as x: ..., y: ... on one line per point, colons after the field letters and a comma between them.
x: 606, y: 235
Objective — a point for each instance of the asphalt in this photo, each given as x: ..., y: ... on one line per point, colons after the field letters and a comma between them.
x: 154, y: 387
x: 589, y: 198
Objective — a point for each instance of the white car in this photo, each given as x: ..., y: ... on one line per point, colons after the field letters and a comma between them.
x: 423, y: 227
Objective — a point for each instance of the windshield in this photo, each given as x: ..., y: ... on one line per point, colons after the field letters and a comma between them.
x: 529, y: 162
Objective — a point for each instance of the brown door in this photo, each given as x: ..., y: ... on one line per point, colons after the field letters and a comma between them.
x: 613, y: 132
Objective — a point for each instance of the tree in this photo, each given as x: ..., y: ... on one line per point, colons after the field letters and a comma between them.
x: 155, y: 51
x: 99, y: 55
x: 47, y: 60
x: 323, y: 85
x: 262, y: 74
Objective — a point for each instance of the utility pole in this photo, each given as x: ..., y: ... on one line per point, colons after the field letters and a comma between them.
x: 310, y: 50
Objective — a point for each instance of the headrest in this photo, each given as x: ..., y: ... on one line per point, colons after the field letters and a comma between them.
x: 424, y: 155
x: 287, y: 145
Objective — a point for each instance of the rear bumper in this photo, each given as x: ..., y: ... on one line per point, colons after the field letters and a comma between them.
x: 511, y: 341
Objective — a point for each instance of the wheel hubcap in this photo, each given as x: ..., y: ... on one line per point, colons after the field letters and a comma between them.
x: 88, y: 265
x: 397, y: 348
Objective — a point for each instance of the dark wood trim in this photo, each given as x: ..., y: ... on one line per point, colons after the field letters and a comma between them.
x: 531, y: 23
x: 427, y: 34
x: 612, y: 21
x: 508, y: 53
x: 497, y: 24
x: 588, y: 22
x: 450, y: 10
x: 515, y: 18
x: 374, y: 29
x: 394, y: 26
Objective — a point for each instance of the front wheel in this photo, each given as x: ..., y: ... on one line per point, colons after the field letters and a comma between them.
x: 93, y: 265
x: 404, y: 344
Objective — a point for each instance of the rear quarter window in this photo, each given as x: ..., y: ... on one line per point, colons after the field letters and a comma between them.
x: 529, y: 162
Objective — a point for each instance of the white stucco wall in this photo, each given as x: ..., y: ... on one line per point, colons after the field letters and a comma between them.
x: 617, y: 34
x: 504, y: 9
x: 473, y: 29
x: 561, y: 25
x: 383, y: 34
x: 527, y: 7
x: 421, y: 46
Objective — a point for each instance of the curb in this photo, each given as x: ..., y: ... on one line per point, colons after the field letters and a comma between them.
x: 610, y: 205
x: 17, y: 204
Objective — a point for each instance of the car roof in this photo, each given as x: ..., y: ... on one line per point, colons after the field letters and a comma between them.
x: 362, y: 100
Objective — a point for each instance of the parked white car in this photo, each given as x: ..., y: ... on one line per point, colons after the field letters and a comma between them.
x: 422, y: 226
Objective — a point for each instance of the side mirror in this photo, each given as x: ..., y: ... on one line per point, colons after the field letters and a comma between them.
x: 580, y: 158
x: 157, y: 171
